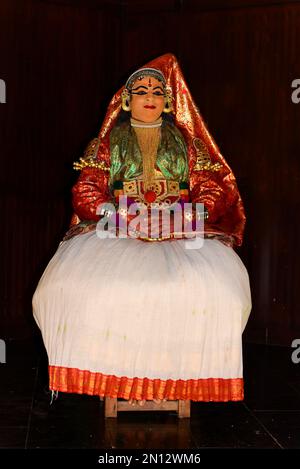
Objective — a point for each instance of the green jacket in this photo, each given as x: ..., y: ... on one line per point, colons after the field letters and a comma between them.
x: 126, y: 162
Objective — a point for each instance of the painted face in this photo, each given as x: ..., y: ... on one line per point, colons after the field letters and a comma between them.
x: 147, y: 99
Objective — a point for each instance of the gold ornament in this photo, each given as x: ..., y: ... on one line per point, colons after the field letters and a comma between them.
x: 89, y: 158
x: 90, y: 164
x: 126, y: 100
x: 203, y: 162
x: 168, y: 100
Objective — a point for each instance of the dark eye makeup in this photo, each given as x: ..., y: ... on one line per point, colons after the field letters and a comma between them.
x: 156, y: 93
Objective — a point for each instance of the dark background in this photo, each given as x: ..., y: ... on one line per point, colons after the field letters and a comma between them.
x: 63, y: 60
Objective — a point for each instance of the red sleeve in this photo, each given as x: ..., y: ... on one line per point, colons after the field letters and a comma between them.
x: 89, y: 192
x: 216, y: 192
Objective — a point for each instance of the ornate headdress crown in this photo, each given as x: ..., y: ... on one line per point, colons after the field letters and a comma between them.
x: 143, y: 72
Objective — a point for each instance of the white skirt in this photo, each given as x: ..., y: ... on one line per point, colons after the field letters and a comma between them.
x: 135, y: 309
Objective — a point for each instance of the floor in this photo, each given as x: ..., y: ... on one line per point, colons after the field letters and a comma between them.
x: 268, y: 418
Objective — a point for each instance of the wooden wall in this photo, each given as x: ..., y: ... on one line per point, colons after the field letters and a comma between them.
x: 63, y: 60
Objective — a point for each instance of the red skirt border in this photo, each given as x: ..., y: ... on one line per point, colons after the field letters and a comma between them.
x: 73, y: 380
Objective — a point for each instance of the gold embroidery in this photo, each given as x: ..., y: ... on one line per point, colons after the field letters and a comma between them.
x: 89, y: 158
x: 203, y: 161
x: 173, y: 187
x: 130, y: 187
x: 162, y: 188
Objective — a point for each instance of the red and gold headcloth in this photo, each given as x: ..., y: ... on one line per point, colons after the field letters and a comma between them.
x: 211, y: 180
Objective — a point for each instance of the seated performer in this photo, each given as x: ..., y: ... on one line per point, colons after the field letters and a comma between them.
x: 141, y: 317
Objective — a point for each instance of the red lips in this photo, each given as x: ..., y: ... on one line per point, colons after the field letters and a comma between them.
x: 149, y: 107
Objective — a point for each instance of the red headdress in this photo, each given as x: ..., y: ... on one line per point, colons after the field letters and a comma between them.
x: 211, y: 180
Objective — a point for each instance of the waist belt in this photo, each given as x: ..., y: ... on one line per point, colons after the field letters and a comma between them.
x: 162, y: 191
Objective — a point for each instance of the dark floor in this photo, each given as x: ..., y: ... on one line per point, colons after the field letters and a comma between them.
x: 268, y: 418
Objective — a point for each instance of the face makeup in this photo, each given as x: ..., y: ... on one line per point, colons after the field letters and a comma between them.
x: 147, y: 99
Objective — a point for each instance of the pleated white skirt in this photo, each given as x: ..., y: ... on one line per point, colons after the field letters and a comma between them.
x: 125, y: 307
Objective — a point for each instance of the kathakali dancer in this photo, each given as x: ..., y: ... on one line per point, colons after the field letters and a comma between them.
x: 139, y: 317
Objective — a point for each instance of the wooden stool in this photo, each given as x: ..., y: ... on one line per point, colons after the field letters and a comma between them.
x: 112, y: 406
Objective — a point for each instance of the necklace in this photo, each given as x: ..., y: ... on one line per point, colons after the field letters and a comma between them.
x: 148, y: 137
x: 145, y: 125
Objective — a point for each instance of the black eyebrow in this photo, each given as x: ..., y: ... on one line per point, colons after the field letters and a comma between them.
x: 145, y: 87
x: 140, y: 86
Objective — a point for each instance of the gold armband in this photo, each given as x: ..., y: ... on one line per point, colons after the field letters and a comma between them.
x: 90, y: 159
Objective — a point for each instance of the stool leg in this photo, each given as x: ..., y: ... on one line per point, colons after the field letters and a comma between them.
x: 184, y: 409
x: 110, y: 407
